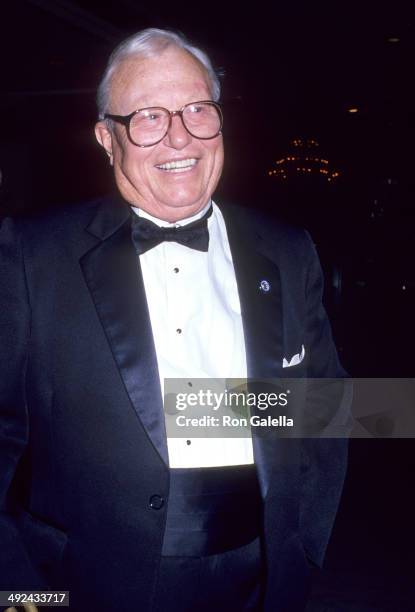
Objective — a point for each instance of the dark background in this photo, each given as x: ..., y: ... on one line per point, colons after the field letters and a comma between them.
x: 293, y: 70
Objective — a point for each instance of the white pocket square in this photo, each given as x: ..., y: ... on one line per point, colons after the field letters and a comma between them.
x: 295, y: 359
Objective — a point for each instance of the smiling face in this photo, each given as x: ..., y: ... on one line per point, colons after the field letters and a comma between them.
x: 175, y: 178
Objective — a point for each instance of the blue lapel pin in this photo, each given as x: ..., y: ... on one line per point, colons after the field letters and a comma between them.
x: 264, y: 286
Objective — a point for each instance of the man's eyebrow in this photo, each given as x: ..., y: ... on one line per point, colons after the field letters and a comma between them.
x: 141, y: 104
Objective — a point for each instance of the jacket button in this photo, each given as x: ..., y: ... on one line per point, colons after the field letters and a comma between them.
x: 156, y: 502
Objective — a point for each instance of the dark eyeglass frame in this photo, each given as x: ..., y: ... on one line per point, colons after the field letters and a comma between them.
x: 126, y: 120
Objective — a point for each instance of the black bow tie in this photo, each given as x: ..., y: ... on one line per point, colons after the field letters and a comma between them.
x: 146, y: 234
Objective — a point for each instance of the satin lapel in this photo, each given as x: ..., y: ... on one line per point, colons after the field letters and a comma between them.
x: 113, y: 275
x: 259, y: 288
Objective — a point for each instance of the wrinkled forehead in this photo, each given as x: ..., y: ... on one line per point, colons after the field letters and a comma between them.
x: 172, y: 75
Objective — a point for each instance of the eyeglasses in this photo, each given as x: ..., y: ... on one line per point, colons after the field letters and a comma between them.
x: 148, y: 126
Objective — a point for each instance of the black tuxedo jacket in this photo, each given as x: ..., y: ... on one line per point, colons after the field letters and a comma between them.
x: 83, y: 477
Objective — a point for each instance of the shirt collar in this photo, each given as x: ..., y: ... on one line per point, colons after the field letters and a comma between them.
x: 161, y: 223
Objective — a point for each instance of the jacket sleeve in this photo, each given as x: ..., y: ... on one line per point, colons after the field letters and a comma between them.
x: 324, y: 456
x: 16, y: 569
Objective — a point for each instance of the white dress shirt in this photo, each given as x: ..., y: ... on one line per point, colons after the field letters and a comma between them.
x: 196, y: 321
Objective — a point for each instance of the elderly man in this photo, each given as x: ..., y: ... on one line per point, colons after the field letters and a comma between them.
x: 100, y: 303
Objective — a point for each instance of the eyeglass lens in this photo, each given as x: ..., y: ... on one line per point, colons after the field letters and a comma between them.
x: 149, y: 125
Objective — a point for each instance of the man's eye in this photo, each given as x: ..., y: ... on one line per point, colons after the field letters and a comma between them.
x: 149, y: 116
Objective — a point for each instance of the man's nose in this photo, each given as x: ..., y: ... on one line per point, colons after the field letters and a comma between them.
x: 177, y: 136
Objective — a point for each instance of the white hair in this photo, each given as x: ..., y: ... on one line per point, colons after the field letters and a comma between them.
x: 149, y: 43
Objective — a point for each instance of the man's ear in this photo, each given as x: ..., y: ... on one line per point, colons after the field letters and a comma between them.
x: 104, y: 137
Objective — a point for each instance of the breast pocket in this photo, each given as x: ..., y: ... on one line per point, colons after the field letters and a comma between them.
x: 295, y: 359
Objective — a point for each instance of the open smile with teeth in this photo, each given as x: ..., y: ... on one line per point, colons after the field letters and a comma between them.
x: 180, y: 165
